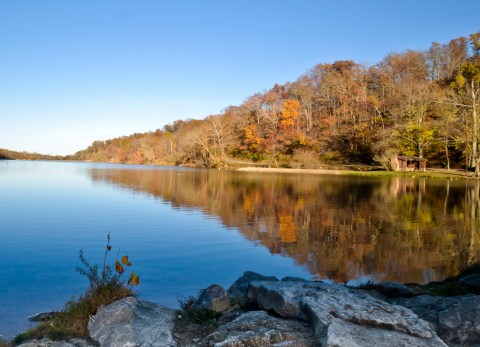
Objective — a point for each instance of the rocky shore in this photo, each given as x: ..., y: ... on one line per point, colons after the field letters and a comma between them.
x: 265, y: 311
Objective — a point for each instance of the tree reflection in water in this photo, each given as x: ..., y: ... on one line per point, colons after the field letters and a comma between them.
x: 400, y: 229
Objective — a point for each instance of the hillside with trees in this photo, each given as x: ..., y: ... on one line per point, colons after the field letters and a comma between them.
x: 416, y: 103
x: 6, y: 154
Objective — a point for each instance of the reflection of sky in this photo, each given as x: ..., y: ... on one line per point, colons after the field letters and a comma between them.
x: 52, y: 210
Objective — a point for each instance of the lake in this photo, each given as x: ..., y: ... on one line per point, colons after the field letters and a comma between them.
x: 184, y: 229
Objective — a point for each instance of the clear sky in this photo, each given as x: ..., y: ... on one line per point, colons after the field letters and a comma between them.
x: 75, y: 71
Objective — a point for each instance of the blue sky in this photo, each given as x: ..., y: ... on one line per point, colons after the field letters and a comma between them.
x: 72, y: 72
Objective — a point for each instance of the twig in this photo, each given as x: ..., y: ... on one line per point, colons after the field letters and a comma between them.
x: 107, y: 248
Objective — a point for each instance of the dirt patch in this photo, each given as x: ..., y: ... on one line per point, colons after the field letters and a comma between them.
x: 189, y: 334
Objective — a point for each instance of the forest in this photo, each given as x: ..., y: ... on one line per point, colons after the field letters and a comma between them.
x: 414, y: 103
x: 6, y: 154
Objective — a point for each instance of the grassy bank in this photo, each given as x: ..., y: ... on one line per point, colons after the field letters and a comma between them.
x: 430, y: 173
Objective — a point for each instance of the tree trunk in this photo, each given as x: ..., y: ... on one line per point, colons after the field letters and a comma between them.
x: 475, y: 159
x: 447, y: 154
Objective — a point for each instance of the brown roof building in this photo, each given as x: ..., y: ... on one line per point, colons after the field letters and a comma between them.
x: 410, y: 163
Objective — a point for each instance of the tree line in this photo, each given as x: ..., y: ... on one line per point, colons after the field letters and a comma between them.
x: 6, y: 154
x: 415, y: 103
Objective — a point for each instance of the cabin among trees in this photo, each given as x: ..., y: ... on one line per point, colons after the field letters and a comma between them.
x: 410, y: 163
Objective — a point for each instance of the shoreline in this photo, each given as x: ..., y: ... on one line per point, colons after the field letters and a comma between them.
x: 429, y: 173
x: 293, y: 309
x: 292, y: 171
x: 371, y: 171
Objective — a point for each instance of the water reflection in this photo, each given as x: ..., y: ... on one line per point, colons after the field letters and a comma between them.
x: 399, y: 229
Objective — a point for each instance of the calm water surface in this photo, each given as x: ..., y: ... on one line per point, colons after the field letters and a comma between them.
x: 184, y: 229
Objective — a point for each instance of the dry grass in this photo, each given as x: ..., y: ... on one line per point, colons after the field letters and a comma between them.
x: 4, y: 343
x: 72, y: 321
x: 105, y: 287
x: 349, y: 171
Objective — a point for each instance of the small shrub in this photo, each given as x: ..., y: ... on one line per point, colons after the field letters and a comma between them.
x: 330, y: 157
x: 387, y: 159
x: 104, y: 288
x: 245, y: 154
x: 202, y: 316
x: 205, y: 317
x: 448, y: 287
x: 186, y: 303
x: 306, y: 159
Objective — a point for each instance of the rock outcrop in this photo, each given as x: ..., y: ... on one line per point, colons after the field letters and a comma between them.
x: 259, y: 329
x: 132, y: 322
x: 262, y: 311
x: 344, y: 317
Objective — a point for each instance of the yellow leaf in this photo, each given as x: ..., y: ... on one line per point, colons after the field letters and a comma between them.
x: 460, y: 80
x: 125, y: 260
x: 118, y: 267
x: 134, y: 279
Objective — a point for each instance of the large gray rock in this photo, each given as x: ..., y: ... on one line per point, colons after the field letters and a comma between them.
x: 344, y: 317
x: 456, y: 319
x: 238, y: 290
x: 131, y: 322
x: 259, y: 329
x: 213, y: 298
x: 49, y: 343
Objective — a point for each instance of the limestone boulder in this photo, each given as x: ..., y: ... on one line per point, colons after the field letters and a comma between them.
x: 238, y: 290
x: 213, y: 298
x: 259, y: 329
x: 132, y: 322
x: 344, y: 317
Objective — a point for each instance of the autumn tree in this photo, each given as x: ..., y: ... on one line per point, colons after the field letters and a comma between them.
x: 289, y: 136
x: 445, y: 60
x: 466, y: 99
x: 303, y: 91
x: 467, y: 86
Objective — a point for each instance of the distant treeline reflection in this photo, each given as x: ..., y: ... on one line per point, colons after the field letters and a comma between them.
x: 399, y: 229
